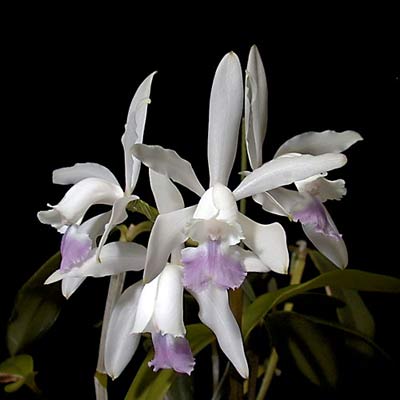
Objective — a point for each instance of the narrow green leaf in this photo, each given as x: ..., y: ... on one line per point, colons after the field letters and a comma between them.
x: 36, y: 308
x: 318, y: 347
x: 249, y: 294
x: 150, y: 385
x: 321, y: 262
x: 143, y: 208
x: 181, y: 388
x: 348, y: 279
x: 305, y: 345
x: 355, y: 313
x: 322, y: 300
x: 18, y: 371
x: 199, y: 337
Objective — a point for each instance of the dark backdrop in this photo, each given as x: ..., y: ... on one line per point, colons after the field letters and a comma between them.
x: 70, y: 79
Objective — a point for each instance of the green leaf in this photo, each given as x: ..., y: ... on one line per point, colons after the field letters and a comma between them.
x: 249, y: 295
x: 150, y: 385
x: 303, y: 344
x: 18, y: 371
x: 318, y: 347
x: 181, y: 388
x: 348, y: 279
x: 143, y: 208
x: 36, y: 308
x: 321, y: 300
x: 199, y: 337
x: 355, y: 313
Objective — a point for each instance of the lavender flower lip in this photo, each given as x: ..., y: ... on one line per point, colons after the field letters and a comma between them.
x: 211, y: 264
x: 171, y: 353
x: 75, y: 248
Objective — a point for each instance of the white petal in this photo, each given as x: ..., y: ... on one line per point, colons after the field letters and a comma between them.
x: 251, y: 262
x: 120, y: 344
x: 55, y: 219
x: 286, y: 170
x: 69, y: 285
x: 167, y: 196
x: 217, y: 202
x: 333, y: 248
x: 216, y: 314
x: 268, y: 242
x: 206, y: 209
x: 255, y: 107
x: 134, y: 130
x: 322, y: 188
x: 169, y: 163
x: 317, y: 143
x: 168, y: 312
x: 118, y: 215
x: 279, y: 201
x: 225, y: 202
x: 77, y: 201
x: 226, y: 104
x: 176, y: 254
x: 203, y: 230
x: 80, y: 171
x: 56, y: 276
x: 145, y: 307
x: 168, y: 232
x: 95, y: 226
x: 116, y: 257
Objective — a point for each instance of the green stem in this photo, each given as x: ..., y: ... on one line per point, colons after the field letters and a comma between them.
x: 217, y: 392
x: 136, y: 230
x: 130, y: 234
x: 297, y: 264
x: 253, y: 364
x: 268, y: 375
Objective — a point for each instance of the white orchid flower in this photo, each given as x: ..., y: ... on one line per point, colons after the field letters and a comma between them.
x: 218, y: 263
x: 155, y: 307
x: 306, y: 204
x: 95, y: 184
x: 78, y: 251
x: 215, y: 222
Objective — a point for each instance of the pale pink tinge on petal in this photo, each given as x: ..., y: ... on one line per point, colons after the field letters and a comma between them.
x: 75, y: 247
x: 314, y: 214
x: 212, y: 263
x: 171, y: 353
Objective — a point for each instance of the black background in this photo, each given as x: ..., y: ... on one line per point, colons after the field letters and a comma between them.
x: 69, y: 79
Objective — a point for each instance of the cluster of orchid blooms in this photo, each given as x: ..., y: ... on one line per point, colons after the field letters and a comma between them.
x: 220, y: 262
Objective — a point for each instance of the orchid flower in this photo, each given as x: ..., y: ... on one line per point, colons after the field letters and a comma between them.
x: 155, y: 307
x: 78, y: 251
x: 218, y: 263
x: 96, y: 184
x: 305, y: 204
